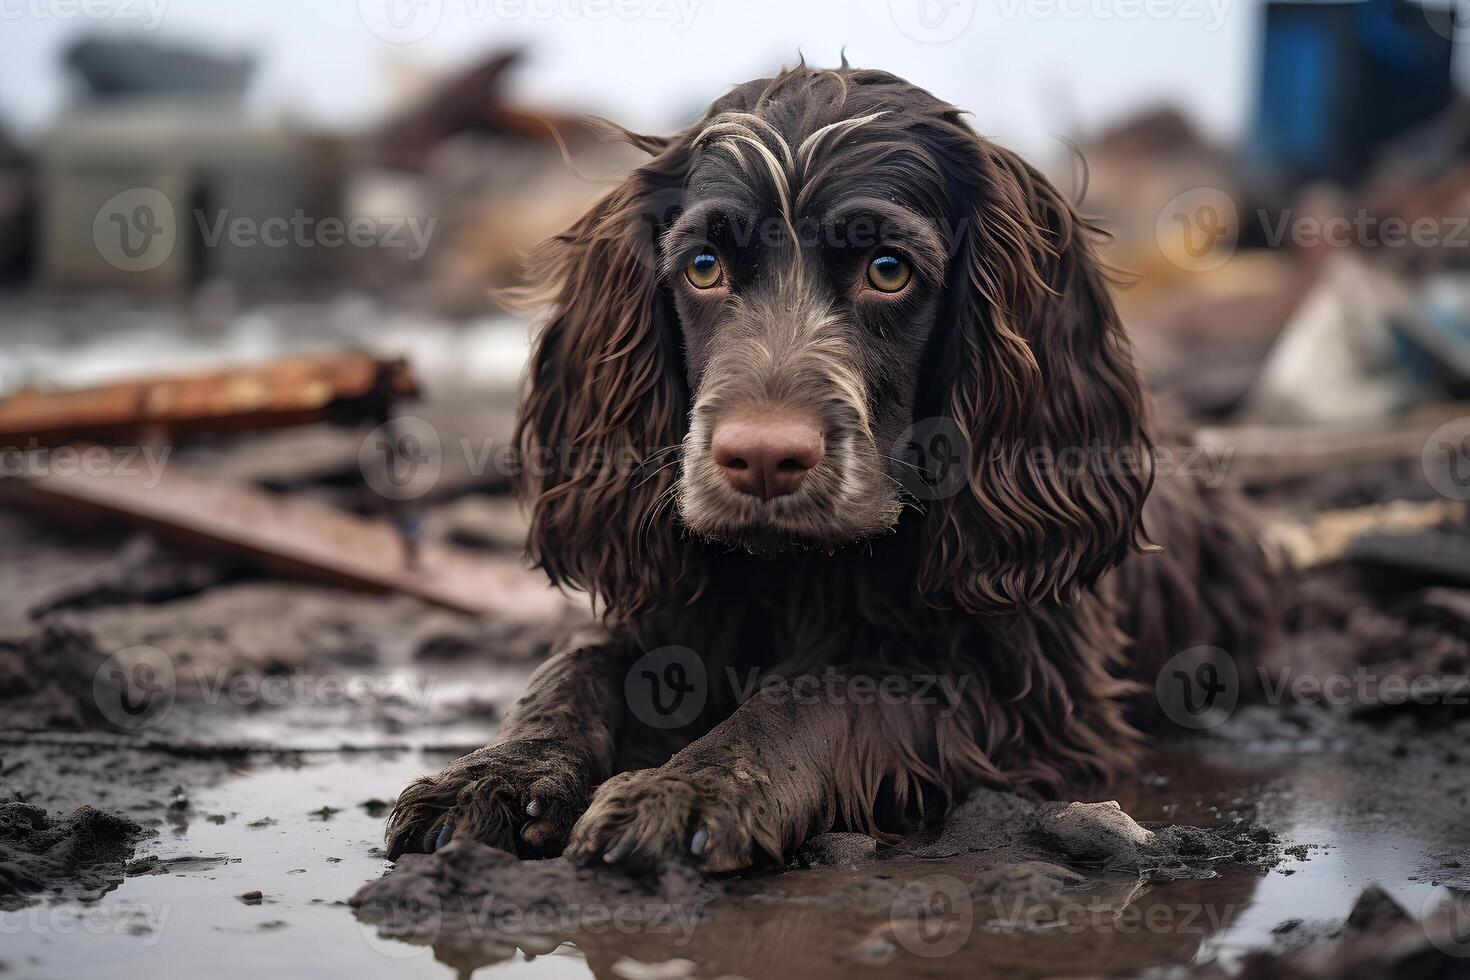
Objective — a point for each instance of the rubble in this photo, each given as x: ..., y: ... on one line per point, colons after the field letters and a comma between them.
x: 1316, y: 375
x: 1335, y: 360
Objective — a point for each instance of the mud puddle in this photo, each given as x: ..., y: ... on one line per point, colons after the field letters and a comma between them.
x: 299, y: 835
x: 258, y: 780
x: 305, y: 834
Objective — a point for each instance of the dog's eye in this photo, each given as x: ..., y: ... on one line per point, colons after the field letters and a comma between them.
x: 888, y: 273
x: 704, y: 271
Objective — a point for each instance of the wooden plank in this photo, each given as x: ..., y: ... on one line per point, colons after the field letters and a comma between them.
x: 1268, y: 453
x: 295, y: 537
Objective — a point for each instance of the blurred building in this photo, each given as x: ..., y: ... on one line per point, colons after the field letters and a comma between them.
x: 213, y: 166
x: 160, y: 154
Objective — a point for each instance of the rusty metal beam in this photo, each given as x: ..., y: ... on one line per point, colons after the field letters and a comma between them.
x: 344, y: 387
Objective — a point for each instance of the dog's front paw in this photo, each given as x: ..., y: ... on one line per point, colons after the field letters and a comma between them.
x: 708, y: 818
x: 521, y: 796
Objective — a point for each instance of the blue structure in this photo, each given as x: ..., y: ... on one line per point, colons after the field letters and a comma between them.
x: 1338, y: 79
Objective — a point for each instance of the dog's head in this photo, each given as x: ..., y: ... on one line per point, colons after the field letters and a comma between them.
x: 751, y: 337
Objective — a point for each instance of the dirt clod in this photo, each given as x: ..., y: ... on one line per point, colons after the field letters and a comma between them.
x: 80, y: 856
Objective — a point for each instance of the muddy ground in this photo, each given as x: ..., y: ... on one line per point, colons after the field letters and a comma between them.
x: 196, y: 760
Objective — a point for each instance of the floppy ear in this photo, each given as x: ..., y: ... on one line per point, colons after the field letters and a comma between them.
x: 1042, y: 386
x: 605, y: 403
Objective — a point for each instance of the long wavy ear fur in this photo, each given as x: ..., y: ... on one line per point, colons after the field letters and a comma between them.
x: 604, y: 406
x: 1041, y: 383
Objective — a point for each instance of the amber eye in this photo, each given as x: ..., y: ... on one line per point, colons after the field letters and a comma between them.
x: 704, y: 271
x: 888, y: 273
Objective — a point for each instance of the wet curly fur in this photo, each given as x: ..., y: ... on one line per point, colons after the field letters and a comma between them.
x: 1018, y: 614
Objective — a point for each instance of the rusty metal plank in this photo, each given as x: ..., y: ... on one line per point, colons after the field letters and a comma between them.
x: 295, y: 537
x: 290, y: 391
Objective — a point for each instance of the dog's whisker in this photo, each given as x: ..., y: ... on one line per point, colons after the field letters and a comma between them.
x: 671, y: 463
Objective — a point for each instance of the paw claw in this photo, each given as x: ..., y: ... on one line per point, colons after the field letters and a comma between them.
x: 520, y: 797
x: 643, y: 818
x: 618, y: 851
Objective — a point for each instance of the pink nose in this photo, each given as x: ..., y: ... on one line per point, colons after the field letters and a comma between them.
x: 766, y: 456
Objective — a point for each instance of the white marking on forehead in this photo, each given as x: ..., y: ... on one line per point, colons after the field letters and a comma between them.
x: 734, y: 130
x: 751, y: 119
x: 733, y: 133
x: 809, y: 146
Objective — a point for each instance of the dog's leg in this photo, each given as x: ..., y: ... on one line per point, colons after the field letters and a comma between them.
x: 523, y: 792
x: 788, y: 763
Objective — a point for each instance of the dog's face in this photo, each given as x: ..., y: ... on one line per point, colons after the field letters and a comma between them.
x: 742, y: 333
x: 806, y: 295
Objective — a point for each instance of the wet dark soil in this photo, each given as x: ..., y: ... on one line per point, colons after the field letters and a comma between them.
x: 195, y: 766
x: 78, y: 856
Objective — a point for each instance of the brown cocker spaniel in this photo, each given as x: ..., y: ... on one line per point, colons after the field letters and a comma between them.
x: 834, y: 417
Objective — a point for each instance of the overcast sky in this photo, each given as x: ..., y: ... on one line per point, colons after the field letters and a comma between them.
x: 1028, y: 69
